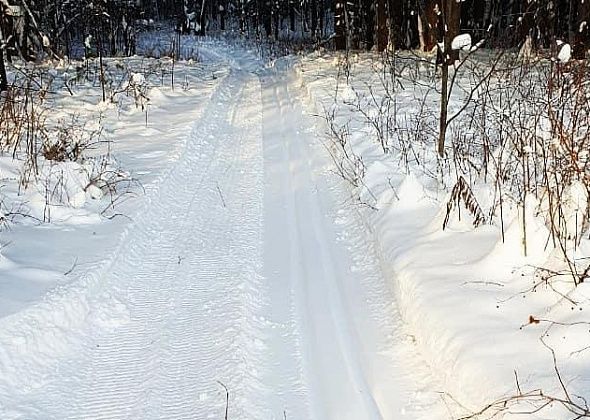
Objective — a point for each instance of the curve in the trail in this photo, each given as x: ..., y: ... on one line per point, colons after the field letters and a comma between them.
x: 235, y: 277
x: 186, y: 284
x: 341, y: 392
x: 347, y: 322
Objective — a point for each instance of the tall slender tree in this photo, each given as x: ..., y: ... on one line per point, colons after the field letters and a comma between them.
x: 382, y: 32
x: 581, y: 38
x: 449, y: 22
x: 3, y: 44
x: 340, y: 26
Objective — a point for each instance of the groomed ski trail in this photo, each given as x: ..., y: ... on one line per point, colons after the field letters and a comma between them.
x: 235, y: 276
x: 357, y: 360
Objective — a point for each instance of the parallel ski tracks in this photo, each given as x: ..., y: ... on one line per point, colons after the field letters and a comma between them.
x: 187, y: 277
x: 235, y: 276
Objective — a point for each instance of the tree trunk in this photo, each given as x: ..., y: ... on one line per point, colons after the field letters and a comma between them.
x: 222, y: 12
x: 314, y: 18
x: 276, y: 22
x: 474, y: 13
x: 527, y: 22
x: 367, y: 23
x: 339, y: 25
x: 382, y: 30
x: 428, y: 25
x: 292, y: 16
x: 3, y: 77
x: 101, y: 64
x: 322, y: 18
x: 202, y: 19
x: 581, y: 41
x: 352, y: 15
x: 396, y: 17
x: 266, y: 18
x: 449, y: 27
x: 444, y: 106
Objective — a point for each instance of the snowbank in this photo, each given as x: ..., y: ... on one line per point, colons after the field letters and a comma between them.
x: 66, y: 222
x: 474, y: 302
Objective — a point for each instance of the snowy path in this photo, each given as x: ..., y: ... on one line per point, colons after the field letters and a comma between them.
x: 302, y: 248
x: 235, y: 273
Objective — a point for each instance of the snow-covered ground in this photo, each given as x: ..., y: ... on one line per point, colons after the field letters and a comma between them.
x: 476, y: 306
x: 245, y: 266
x: 58, y: 223
x: 235, y: 259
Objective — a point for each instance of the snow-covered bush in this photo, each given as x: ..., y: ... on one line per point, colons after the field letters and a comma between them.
x: 70, y: 138
x: 518, y: 138
x: 61, y: 158
x: 138, y: 86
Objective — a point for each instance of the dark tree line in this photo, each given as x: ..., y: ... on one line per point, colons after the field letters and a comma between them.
x: 424, y: 23
x: 366, y: 24
x: 61, y: 27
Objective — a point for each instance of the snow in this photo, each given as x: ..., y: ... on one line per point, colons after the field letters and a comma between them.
x: 237, y: 259
x: 65, y: 184
x: 464, y: 294
x: 565, y: 53
x: 138, y: 79
x: 237, y: 266
x: 73, y: 195
x: 461, y: 42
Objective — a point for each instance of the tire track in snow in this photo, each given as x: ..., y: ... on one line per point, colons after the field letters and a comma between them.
x: 187, y: 278
x: 337, y: 387
x: 234, y: 273
x: 349, y: 333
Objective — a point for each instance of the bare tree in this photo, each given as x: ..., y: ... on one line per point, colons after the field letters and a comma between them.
x: 449, y: 20
x: 581, y: 38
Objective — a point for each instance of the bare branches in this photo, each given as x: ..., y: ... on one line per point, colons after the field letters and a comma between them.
x: 533, y: 402
x: 226, y: 399
x: 460, y: 191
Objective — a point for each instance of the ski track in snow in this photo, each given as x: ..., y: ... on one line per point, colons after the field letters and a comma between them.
x: 236, y: 273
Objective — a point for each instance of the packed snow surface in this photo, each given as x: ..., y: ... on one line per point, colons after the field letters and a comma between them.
x: 250, y: 277
x: 243, y: 269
